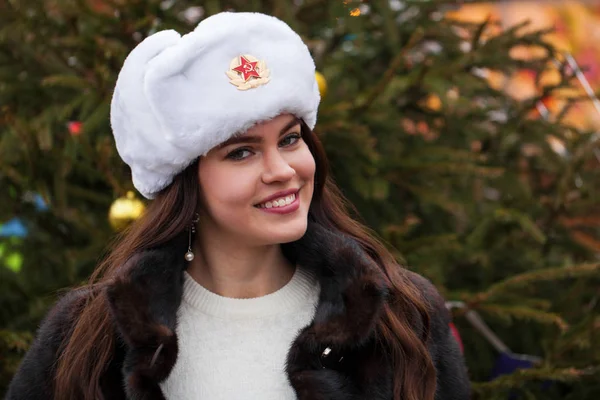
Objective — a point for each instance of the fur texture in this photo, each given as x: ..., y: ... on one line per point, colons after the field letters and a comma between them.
x: 144, y: 300
x: 145, y: 297
x: 34, y: 379
x: 173, y: 100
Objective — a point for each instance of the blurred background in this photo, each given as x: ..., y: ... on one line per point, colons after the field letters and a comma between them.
x: 464, y: 132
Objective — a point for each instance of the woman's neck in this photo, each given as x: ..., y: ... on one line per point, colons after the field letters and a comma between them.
x: 232, y: 270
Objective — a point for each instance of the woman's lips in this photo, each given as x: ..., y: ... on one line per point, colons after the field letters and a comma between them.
x: 286, y: 209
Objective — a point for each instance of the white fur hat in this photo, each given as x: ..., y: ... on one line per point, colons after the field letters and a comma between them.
x: 177, y: 96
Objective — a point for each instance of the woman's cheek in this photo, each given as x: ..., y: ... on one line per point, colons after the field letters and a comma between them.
x: 305, y: 164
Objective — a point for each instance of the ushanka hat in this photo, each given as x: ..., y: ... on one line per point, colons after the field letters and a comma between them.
x: 177, y: 96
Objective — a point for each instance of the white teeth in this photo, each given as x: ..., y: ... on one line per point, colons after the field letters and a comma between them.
x: 284, y: 201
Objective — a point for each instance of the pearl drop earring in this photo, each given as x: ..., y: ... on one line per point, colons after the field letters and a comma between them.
x: 189, y: 256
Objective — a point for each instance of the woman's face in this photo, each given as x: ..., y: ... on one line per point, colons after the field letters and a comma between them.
x: 257, y: 187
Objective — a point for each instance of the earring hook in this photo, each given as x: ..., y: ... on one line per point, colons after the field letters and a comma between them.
x: 189, y: 255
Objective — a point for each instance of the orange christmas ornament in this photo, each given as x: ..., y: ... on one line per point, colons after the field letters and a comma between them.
x: 355, y: 12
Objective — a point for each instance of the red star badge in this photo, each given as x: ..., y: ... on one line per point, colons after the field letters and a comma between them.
x: 247, y: 68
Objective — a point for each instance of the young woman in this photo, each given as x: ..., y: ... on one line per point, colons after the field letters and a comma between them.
x: 246, y: 278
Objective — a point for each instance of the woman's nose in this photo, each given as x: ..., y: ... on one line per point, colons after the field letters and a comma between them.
x: 276, y: 168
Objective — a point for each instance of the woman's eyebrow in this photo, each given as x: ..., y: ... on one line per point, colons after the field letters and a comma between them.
x: 257, y: 139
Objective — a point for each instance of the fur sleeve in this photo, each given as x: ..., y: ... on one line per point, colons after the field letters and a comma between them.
x: 35, y: 377
x: 452, y: 378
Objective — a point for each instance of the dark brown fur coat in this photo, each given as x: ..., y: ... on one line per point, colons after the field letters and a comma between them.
x: 145, y: 297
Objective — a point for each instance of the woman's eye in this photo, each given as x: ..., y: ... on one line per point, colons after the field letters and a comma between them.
x: 290, y: 139
x: 238, y: 154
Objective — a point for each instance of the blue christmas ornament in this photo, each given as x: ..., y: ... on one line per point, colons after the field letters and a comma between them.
x: 507, y: 363
x: 13, y: 228
x: 39, y: 203
x: 36, y: 199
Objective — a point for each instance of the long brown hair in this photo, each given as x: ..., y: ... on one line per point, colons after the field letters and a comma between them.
x: 88, y: 349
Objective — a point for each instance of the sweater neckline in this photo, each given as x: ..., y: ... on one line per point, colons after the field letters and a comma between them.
x: 289, y: 298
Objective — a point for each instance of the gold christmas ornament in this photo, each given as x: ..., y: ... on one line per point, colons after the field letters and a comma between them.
x: 125, y: 210
x: 322, y: 83
x: 432, y: 102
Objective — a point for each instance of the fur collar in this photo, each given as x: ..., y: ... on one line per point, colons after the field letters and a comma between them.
x: 144, y: 299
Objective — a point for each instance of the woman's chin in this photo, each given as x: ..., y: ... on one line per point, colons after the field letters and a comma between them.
x: 290, y: 232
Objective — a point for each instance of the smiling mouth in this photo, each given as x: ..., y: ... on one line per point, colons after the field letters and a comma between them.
x: 280, y: 202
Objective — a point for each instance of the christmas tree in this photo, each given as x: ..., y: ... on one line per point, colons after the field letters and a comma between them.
x: 494, y: 199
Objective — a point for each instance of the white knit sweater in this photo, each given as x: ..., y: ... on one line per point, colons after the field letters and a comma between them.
x: 235, y: 349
